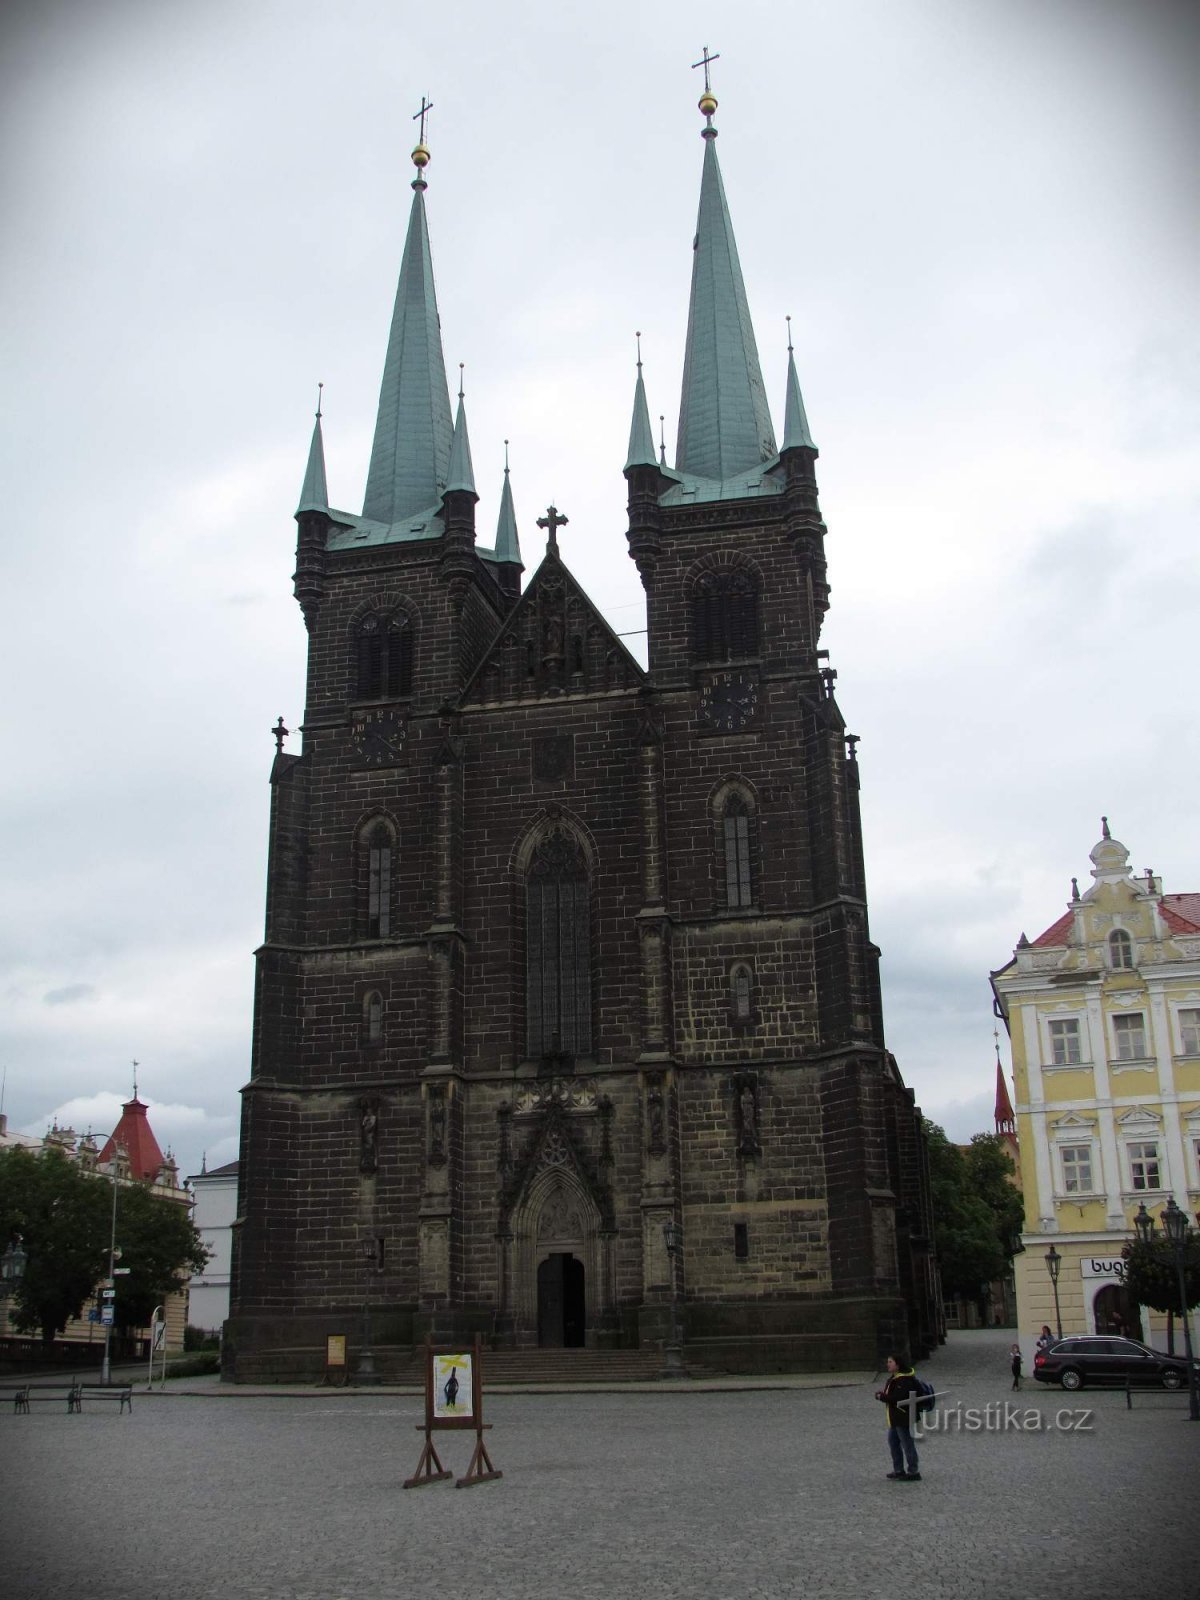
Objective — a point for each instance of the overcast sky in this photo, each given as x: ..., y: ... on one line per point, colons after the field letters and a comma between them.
x: 982, y: 217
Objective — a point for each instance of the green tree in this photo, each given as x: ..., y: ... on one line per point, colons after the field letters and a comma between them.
x: 161, y: 1248
x: 977, y: 1212
x: 61, y: 1214
x: 1152, y: 1277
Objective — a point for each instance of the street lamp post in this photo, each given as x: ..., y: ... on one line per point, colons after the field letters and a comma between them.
x: 1175, y: 1226
x: 1053, y: 1267
x: 108, y: 1301
x: 673, y: 1366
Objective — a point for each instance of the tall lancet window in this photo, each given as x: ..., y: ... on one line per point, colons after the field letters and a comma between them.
x: 736, y: 839
x: 724, y: 616
x: 558, y: 949
x: 378, y: 851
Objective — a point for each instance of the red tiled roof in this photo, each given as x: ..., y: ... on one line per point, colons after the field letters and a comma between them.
x: 1057, y: 932
x: 136, y: 1134
x: 1181, y: 913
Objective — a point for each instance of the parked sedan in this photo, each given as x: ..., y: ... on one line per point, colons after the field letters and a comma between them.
x: 1074, y: 1362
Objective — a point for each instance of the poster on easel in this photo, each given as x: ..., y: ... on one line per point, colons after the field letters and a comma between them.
x: 453, y: 1399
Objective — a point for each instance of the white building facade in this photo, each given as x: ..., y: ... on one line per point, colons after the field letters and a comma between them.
x: 215, y: 1210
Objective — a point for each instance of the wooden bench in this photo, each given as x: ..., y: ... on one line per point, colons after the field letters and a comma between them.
x: 35, y: 1393
x: 101, y: 1391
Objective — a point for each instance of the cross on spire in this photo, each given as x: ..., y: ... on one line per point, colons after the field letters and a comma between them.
x: 281, y: 734
x: 552, y: 522
x: 426, y: 108
x: 706, y: 61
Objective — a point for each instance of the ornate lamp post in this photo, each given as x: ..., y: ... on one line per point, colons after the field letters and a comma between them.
x: 12, y: 1267
x: 673, y: 1355
x: 1053, y: 1267
x: 1175, y: 1226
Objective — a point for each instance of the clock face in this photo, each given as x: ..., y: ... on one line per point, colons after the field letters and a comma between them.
x: 729, y: 701
x: 378, y: 737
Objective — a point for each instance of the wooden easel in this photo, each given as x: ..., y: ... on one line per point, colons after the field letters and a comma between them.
x: 429, y: 1467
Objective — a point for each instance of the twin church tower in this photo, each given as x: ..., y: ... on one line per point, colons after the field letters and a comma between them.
x: 567, y: 1006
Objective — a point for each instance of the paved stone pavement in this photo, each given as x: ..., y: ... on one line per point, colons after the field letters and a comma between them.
x: 664, y: 1492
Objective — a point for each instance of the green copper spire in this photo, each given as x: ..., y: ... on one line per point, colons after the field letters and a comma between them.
x: 411, y: 453
x: 508, y: 546
x: 314, y: 496
x: 795, y: 423
x: 460, y: 474
x: 641, y: 439
x: 724, y: 420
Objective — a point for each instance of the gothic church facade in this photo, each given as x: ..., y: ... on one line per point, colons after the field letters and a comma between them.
x: 560, y: 950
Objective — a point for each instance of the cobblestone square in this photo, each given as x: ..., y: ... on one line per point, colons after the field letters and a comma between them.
x: 670, y: 1492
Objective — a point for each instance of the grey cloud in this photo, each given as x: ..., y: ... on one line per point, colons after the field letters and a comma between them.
x: 71, y: 994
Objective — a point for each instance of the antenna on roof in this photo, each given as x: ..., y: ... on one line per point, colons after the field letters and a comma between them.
x: 135, y: 1067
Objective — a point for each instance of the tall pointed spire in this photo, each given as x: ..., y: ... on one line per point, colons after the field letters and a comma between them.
x: 411, y: 453
x: 508, y: 547
x: 460, y: 473
x: 795, y: 422
x: 641, y: 437
x: 314, y: 496
x: 724, y: 420
x: 1006, y: 1122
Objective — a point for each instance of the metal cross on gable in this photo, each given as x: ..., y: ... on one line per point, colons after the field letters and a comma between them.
x: 552, y: 522
x: 706, y: 61
x: 426, y: 108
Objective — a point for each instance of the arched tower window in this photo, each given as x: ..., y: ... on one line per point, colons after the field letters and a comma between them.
x: 383, y: 656
x: 558, y: 962
x: 737, y: 842
x: 1120, y: 950
x: 373, y: 1017
x: 377, y: 860
x: 724, y: 615
x: 741, y: 989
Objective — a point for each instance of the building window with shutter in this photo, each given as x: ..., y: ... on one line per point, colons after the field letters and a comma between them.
x: 383, y: 657
x: 1064, y: 1042
x: 1120, y: 950
x: 1143, y: 1166
x: 1077, y: 1168
x: 1130, y: 1034
x: 1189, y: 1032
x: 724, y: 616
x: 558, y: 965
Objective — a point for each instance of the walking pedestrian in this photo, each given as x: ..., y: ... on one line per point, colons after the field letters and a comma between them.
x: 1015, y: 1362
x: 899, y: 1394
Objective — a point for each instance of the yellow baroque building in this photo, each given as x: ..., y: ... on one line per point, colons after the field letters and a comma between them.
x: 1103, y: 1014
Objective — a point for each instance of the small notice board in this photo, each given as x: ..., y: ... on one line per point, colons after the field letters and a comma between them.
x: 335, y: 1358
x: 453, y: 1399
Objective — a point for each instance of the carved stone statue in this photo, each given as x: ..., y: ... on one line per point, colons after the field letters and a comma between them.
x: 656, y: 1119
x: 368, y: 1130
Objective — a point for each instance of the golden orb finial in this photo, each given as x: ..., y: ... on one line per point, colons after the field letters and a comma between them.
x: 420, y: 157
x: 707, y: 103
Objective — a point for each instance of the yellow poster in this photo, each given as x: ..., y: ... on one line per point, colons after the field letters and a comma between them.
x: 335, y: 1350
x: 451, y: 1386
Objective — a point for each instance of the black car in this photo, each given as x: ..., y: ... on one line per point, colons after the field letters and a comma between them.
x: 1074, y: 1362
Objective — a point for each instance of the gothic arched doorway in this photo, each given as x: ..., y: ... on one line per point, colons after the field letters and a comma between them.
x: 561, y: 1301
